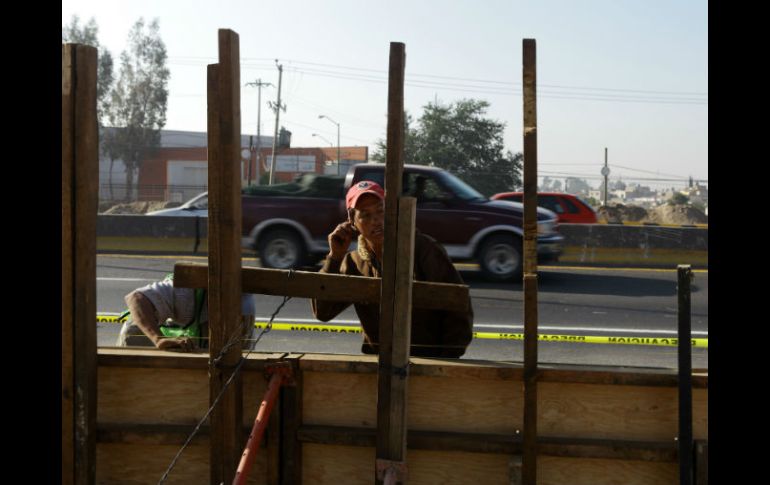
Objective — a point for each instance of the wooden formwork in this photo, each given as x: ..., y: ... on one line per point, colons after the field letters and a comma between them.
x: 595, y: 425
x: 467, y: 421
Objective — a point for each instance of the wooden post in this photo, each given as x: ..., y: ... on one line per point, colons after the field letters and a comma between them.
x: 684, y: 274
x: 80, y: 174
x: 397, y: 268
x: 701, y: 462
x: 529, y: 466
x: 291, y: 413
x: 224, y: 288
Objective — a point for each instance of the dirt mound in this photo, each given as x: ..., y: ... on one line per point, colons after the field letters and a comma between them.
x: 665, y: 214
x: 621, y: 213
x: 677, y: 214
x: 140, y: 207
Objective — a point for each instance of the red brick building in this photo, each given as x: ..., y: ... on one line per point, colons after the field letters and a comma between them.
x: 178, y: 170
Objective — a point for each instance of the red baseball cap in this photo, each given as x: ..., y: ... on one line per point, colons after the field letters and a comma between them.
x: 361, y: 188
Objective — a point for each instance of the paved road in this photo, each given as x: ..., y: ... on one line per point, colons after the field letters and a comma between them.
x: 572, y: 301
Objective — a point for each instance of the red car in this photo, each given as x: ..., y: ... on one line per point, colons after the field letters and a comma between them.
x: 570, y: 208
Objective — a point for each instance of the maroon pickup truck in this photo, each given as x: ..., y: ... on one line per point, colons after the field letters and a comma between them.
x: 289, y: 229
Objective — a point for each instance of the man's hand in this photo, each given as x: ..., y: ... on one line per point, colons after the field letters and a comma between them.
x: 183, y: 344
x: 340, y: 239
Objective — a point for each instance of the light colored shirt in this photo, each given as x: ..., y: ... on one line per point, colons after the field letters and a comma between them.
x: 178, y: 304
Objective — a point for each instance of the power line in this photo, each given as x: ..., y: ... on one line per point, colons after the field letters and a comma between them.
x: 381, y: 76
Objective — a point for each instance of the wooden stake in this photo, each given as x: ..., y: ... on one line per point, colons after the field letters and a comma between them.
x: 397, y: 268
x: 529, y: 468
x: 80, y: 174
x: 224, y: 288
x: 684, y: 274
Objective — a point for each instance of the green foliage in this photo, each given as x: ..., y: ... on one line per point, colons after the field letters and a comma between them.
x: 460, y: 139
x: 139, y: 98
x: 88, y: 35
x: 678, y: 199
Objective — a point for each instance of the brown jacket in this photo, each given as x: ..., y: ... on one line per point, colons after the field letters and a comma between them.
x: 435, y: 333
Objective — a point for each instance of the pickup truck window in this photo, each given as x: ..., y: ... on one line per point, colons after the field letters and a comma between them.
x: 460, y: 188
x: 423, y: 188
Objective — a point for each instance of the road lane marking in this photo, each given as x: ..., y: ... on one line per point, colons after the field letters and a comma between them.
x: 106, y: 278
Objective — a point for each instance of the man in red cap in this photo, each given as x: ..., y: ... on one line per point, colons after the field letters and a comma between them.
x: 435, y: 333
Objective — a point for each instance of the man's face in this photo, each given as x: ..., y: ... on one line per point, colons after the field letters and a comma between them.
x: 369, y: 217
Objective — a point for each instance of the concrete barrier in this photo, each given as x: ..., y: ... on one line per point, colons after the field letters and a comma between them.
x: 149, y: 234
x: 646, y: 246
x: 584, y: 244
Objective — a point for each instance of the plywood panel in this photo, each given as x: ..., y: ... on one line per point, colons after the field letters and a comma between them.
x: 329, y: 464
x: 472, y: 405
x: 166, y: 396
x: 145, y: 396
x: 119, y: 464
x: 621, y: 412
x: 591, y: 471
x: 488, y: 406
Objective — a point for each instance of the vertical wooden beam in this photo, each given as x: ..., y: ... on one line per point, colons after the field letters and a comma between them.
x: 684, y: 274
x: 291, y: 414
x: 67, y: 356
x: 397, y: 267
x: 273, y: 443
x: 529, y: 465
x: 701, y: 462
x: 224, y: 286
x: 80, y: 174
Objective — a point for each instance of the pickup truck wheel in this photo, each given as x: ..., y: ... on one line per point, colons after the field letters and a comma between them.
x: 500, y: 258
x: 281, y: 249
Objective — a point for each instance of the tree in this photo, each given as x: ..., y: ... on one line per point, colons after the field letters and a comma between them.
x: 88, y: 35
x: 139, y: 99
x: 460, y: 139
x: 678, y: 199
x: 410, y: 140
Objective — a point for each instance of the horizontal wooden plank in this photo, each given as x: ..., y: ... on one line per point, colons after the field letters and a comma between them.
x: 334, y: 287
x: 156, y: 434
x: 494, y: 443
x: 160, y: 359
x: 506, y: 371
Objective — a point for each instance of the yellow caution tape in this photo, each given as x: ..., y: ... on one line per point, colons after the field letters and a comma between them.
x: 672, y: 342
x: 109, y: 319
x: 592, y: 339
x: 588, y: 339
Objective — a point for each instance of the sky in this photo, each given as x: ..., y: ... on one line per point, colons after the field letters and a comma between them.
x: 626, y: 75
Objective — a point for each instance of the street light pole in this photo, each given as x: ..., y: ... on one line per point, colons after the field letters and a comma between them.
x: 324, y: 139
x: 339, y: 156
x: 606, y: 173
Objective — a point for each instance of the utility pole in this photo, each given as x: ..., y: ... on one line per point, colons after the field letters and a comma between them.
x: 277, y: 107
x: 258, y: 83
x: 606, y: 173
